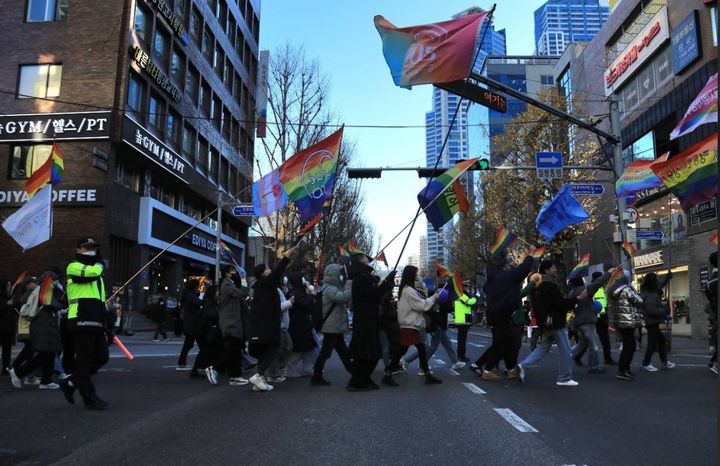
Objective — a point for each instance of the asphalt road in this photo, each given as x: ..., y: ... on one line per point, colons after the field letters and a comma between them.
x: 160, y: 416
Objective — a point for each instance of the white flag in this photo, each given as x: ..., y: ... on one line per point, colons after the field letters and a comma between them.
x: 32, y: 223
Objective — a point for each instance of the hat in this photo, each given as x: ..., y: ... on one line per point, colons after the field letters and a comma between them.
x: 87, y: 241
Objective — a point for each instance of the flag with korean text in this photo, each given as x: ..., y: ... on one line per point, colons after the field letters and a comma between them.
x: 268, y: 194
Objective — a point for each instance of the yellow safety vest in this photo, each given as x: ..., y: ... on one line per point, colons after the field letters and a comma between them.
x: 94, y: 290
x: 462, y: 309
x: 602, y: 299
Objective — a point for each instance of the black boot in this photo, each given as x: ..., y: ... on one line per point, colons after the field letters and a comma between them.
x: 96, y: 404
x: 389, y: 381
x: 431, y: 380
x: 318, y: 380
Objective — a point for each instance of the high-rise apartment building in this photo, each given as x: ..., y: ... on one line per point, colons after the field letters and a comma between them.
x: 559, y: 22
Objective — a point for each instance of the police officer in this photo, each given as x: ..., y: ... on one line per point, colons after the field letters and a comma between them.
x: 602, y: 323
x: 87, y: 322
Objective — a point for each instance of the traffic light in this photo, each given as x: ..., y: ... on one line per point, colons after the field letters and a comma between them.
x: 483, y: 163
x: 364, y: 173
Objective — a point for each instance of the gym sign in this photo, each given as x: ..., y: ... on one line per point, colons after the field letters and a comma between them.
x: 640, y: 49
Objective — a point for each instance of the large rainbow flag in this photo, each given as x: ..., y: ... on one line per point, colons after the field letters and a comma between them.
x: 430, y: 53
x: 580, y: 270
x: 308, y: 177
x: 692, y: 175
x: 51, y: 171
x: 702, y: 110
x: 503, y: 240
x: 445, y: 196
x: 638, y: 176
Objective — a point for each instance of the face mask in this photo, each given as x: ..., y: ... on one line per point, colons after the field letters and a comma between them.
x: 342, y: 278
x: 285, y: 280
x: 88, y: 253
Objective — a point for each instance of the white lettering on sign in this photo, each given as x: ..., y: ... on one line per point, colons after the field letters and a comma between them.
x: 65, y: 196
x: 164, y: 156
x: 202, y: 242
x: 55, y: 125
x: 648, y: 260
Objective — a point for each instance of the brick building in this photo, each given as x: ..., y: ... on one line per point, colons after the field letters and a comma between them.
x: 151, y: 103
x: 654, y: 88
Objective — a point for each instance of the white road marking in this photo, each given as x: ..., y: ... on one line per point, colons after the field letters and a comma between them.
x: 453, y: 371
x: 474, y: 388
x: 114, y: 369
x: 692, y: 365
x: 515, y: 420
x: 439, y: 361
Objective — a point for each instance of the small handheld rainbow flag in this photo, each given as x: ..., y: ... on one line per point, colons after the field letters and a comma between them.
x: 353, y: 248
x: 381, y: 257
x: 504, y: 240
x: 226, y: 252
x: 343, y: 252
x: 617, y: 276
x: 629, y: 248
x: 18, y: 280
x: 580, y: 270
x: 714, y: 238
x: 49, y: 172
x: 46, y: 291
x: 457, y: 283
x: 539, y: 252
x: 442, y: 271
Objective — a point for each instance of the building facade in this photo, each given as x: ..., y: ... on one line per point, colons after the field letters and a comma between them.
x: 654, y: 85
x: 560, y: 22
x: 151, y: 103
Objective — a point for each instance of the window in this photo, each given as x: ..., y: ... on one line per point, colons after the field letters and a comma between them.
x: 173, y: 126
x: 713, y: 25
x: 202, y: 154
x: 141, y: 22
x: 192, y: 86
x: 161, y: 45
x: 213, y: 164
x: 195, y: 25
x: 39, y: 81
x: 222, y: 13
x: 546, y: 80
x: 181, y: 7
x: 219, y: 61
x: 208, y: 44
x: 26, y: 159
x: 217, y: 112
x: 237, y: 88
x: 205, y: 99
x: 226, y: 124
x: 228, y: 75
x: 188, y: 142
x: 177, y: 66
x: 46, y: 10
x: 127, y: 177
x: 155, y: 112
x: 135, y: 96
x: 231, y: 30
x: 223, y: 175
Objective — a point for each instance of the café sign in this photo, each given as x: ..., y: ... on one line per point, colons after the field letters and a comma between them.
x: 656, y: 32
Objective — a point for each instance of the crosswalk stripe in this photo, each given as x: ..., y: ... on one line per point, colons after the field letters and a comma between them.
x: 474, y: 388
x: 515, y: 420
x: 453, y: 371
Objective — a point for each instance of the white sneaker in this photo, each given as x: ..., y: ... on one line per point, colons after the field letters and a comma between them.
x: 714, y: 369
x: 458, y: 365
x: 32, y: 380
x: 211, y: 375
x: 422, y: 373
x: 668, y: 365
x: 236, y: 381
x: 259, y: 384
x: 50, y: 386
x: 650, y: 368
x: 567, y: 383
x: 14, y: 379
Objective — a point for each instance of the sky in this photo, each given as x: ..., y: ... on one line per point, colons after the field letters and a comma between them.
x: 342, y: 36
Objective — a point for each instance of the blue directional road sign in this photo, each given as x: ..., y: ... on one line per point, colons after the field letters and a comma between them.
x: 243, y: 210
x: 649, y: 235
x: 587, y: 189
x: 548, y: 165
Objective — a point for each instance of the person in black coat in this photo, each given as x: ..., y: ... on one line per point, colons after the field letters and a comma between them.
x: 266, y: 317
x: 367, y: 296
x: 190, y: 310
x: 8, y: 323
x: 300, y: 329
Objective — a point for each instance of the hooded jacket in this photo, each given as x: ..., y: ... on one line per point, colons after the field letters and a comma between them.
x: 549, y: 301
x: 86, y: 294
x: 335, y: 299
x: 367, y: 297
x: 300, y: 328
x: 411, y: 308
x: 265, y: 316
x: 653, y: 308
x: 624, y: 307
x: 502, y: 288
x: 585, y: 312
x: 233, y: 310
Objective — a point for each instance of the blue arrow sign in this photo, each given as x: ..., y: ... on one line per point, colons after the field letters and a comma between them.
x: 588, y: 189
x: 649, y: 235
x: 548, y: 160
x: 243, y: 210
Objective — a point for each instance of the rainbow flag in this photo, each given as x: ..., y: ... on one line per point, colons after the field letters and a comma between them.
x: 381, y: 257
x: 226, y: 252
x: 442, y: 271
x: 430, y: 53
x: 46, y: 291
x: 702, y: 110
x: 58, y: 165
x: 444, y: 196
x: 504, y: 240
x: 617, y: 277
x: 638, y: 176
x: 692, y: 175
x: 353, y: 249
x: 457, y: 283
x: 308, y: 177
x: 713, y: 240
x: 49, y: 172
x: 18, y: 281
x: 343, y: 252
x: 309, y: 226
x: 580, y: 270
x: 629, y: 248
x: 539, y: 252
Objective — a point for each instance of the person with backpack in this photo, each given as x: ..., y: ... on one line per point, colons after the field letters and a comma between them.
x: 300, y: 329
x: 585, y: 321
x: 625, y: 315
x: 334, y: 297
x: 655, y: 310
x: 8, y: 323
x: 190, y: 310
x: 711, y: 292
x: 552, y: 308
x: 45, y: 340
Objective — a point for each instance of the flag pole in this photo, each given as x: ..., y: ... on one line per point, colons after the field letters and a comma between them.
x: 447, y: 136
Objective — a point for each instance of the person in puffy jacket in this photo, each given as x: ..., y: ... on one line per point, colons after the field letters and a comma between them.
x: 655, y: 310
x: 412, y: 306
x: 336, y: 295
x: 625, y: 316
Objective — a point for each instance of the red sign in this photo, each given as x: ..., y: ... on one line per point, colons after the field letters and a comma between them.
x: 631, y: 55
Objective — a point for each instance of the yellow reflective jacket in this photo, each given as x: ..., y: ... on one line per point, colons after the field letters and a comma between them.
x: 86, y: 297
x: 462, y: 309
x: 602, y: 299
